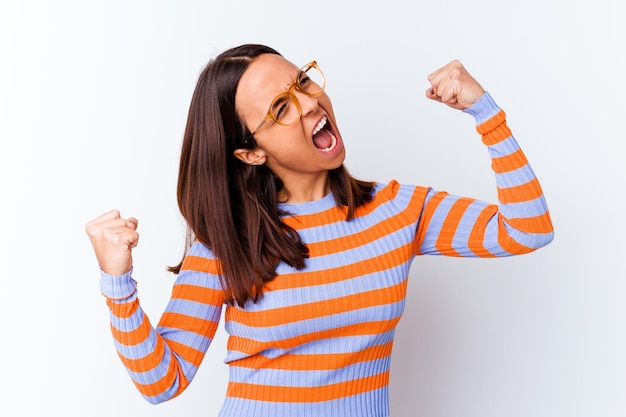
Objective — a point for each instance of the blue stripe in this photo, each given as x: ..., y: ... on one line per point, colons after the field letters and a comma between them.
x: 194, y: 309
x: 531, y: 240
x: 154, y: 374
x: 128, y: 324
x: 165, y: 395
x: 460, y: 240
x: 385, y: 210
x: 199, y: 249
x: 317, y: 324
x: 368, y: 404
x: 429, y: 240
x: 308, y: 378
x: 504, y: 148
x: 138, y: 351
x: 199, y: 279
x: 344, y: 344
x: 341, y: 229
x: 311, y: 294
x: 190, y: 339
x: 490, y: 241
x: 519, y: 176
x: 336, y: 345
x: 525, y: 209
x: 392, y: 241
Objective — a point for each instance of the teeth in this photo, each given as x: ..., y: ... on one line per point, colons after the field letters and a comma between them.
x: 320, y: 125
x: 333, y: 143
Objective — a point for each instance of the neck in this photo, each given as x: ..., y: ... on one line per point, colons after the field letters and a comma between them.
x: 302, y: 190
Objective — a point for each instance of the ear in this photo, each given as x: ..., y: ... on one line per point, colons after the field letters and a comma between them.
x: 254, y: 156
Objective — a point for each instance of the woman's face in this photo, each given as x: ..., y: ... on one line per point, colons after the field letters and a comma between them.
x: 297, y: 153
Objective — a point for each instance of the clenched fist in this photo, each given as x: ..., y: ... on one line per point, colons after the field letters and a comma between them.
x: 454, y: 86
x: 113, y: 239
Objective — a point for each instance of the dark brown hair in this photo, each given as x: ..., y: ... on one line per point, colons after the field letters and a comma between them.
x: 231, y: 207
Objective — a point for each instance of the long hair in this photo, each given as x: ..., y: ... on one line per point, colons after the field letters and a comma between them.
x: 231, y: 207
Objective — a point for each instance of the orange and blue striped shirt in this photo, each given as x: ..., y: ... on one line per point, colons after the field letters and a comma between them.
x: 319, y: 342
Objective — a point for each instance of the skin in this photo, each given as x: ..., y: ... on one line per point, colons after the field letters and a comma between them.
x: 113, y: 239
x: 288, y: 150
x: 454, y: 86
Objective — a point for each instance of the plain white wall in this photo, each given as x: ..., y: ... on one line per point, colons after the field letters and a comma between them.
x: 93, y: 102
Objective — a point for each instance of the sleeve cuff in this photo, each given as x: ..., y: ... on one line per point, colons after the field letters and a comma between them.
x: 117, y: 287
x: 483, y: 109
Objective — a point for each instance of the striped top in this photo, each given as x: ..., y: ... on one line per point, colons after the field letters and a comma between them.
x: 319, y: 342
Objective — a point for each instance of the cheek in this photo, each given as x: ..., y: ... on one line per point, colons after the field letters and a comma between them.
x: 326, y: 104
x: 290, y: 141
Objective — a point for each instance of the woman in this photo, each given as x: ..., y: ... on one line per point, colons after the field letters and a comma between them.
x: 311, y: 263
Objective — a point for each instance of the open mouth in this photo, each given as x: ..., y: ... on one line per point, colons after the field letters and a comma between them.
x: 323, y: 136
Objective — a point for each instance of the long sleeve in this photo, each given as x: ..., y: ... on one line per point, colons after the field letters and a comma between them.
x: 520, y: 223
x: 162, y: 361
x: 319, y: 341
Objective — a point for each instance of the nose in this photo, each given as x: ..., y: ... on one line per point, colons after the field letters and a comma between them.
x: 308, y: 104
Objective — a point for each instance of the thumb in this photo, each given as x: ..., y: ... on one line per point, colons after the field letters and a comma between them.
x: 132, y: 223
x: 431, y: 93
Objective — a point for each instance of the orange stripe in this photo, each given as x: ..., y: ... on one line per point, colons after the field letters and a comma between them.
x: 507, y: 243
x: 307, y: 394
x: 153, y: 359
x: 199, y: 294
x: 477, y: 235
x: 301, y: 312
x: 498, y: 124
x: 148, y: 362
x: 509, y: 162
x: 492, y: 123
x: 191, y: 355
x: 520, y: 193
x: 164, y: 383
x: 389, y: 192
x: 332, y: 215
x: 251, y: 347
x: 497, y: 135
x: 303, y: 279
x: 188, y: 323
x: 337, y: 214
x: 364, y: 237
x: 123, y: 310
x: 313, y: 362
x: 537, y: 224
x: 196, y: 263
x: 449, y: 226
x: 133, y: 337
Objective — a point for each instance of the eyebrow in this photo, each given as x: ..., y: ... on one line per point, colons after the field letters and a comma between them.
x: 294, y: 81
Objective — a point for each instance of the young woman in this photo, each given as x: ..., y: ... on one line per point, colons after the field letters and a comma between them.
x: 310, y: 263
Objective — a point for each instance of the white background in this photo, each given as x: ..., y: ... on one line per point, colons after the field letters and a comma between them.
x: 93, y: 103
